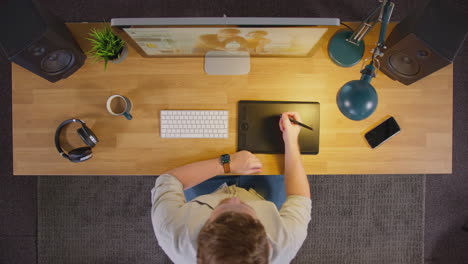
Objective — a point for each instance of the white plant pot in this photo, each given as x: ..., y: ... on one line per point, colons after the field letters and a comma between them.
x: 123, y: 54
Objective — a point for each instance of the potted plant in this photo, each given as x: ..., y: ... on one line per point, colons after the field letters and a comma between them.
x: 106, y: 46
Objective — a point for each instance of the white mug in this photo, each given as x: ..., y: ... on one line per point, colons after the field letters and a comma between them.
x: 124, y: 111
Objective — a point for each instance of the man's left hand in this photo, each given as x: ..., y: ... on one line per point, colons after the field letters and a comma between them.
x: 244, y: 162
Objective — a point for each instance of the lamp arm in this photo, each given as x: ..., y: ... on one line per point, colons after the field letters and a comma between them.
x: 387, y: 13
x: 385, y: 19
x: 365, y: 26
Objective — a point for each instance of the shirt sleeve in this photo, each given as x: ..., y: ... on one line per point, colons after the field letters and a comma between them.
x: 169, y: 215
x: 295, y: 214
x: 167, y: 199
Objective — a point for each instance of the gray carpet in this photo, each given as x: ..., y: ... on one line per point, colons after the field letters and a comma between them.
x: 355, y: 219
x: 365, y: 219
x: 96, y: 220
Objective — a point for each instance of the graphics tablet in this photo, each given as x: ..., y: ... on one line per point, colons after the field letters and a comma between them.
x: 258, y: 126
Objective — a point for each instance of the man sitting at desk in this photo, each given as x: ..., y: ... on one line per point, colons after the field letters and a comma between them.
x: 231, y: 224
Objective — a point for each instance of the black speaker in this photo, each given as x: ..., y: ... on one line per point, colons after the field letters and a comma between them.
x: 424, y: 42
x: 37, y: 40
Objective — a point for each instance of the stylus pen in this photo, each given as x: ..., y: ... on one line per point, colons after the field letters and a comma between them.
x: 299, y: 123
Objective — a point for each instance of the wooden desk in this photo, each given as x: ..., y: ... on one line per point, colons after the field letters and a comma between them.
x: 424, y: 111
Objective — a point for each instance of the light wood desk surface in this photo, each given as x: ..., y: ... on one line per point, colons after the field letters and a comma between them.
x: 423, y: 110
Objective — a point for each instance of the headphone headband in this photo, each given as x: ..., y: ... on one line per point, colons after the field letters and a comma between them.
x: 58, y: 132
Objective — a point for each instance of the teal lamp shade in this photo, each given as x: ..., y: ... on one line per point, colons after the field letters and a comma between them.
x: 357, y: 99
x: 344, y: 53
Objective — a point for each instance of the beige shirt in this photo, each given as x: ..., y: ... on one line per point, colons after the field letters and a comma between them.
x: 176, y: 222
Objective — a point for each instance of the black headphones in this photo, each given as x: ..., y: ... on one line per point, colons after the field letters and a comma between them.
x: 78, y: 154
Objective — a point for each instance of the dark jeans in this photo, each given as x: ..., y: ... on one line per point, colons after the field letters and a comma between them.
x: 270, y: 187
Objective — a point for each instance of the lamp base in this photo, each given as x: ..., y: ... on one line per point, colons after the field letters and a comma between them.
x: 344, y: 53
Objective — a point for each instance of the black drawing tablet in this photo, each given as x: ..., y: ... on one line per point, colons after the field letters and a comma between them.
x: 258, y: 126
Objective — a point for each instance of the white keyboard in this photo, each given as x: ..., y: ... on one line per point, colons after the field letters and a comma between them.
x: 194, y: 124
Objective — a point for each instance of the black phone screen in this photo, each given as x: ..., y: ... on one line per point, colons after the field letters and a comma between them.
x: 382, y: 132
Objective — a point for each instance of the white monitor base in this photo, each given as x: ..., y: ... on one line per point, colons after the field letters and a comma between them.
x: 227, y: 62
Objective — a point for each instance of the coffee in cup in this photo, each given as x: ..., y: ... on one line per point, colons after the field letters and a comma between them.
x: 119, y: 105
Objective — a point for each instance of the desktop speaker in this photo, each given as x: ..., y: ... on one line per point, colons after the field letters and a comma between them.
x: 37, y: 40
x: 424, y: 42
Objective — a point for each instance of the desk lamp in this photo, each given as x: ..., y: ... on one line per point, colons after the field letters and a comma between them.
x: 357, y: 99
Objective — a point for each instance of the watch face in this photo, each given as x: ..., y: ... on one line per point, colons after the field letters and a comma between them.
x: 225, y: 158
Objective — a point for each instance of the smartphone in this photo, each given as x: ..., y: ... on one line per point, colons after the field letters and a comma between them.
x: 382, y: 132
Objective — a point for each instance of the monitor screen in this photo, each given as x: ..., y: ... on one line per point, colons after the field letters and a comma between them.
x: 185, y: 37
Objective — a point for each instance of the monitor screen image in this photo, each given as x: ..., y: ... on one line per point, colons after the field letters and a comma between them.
x: 196, y: 41
x: 196, y: 36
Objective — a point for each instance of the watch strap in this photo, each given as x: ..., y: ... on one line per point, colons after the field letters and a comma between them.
x: 227, y: 168
x: 225, y: 161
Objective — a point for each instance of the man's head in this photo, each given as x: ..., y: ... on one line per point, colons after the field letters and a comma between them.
x: 232, y: 235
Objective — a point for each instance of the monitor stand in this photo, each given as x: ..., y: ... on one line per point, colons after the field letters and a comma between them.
x: 227, y: 62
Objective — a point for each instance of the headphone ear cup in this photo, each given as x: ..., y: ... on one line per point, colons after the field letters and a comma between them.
x: 80, y: 154
x: 87, y: 136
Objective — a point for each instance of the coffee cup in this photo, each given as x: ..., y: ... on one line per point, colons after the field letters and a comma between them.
x: 119, y: 105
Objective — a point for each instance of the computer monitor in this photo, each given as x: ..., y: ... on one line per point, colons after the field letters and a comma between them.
x: 226, y: 42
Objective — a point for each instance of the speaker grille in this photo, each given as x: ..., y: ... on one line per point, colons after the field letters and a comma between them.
x: 57, y: 62
x: 404, y: 64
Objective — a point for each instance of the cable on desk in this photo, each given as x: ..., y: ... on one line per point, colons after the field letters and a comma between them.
x: 347, y: 26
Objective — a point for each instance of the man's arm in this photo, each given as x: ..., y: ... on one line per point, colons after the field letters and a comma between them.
x: 242, y: 162
x: 295, y: 212
x: 294, y: 175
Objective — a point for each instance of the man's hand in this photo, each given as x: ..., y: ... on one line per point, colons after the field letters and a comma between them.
x: 244, y: 162
x: 289, y: 129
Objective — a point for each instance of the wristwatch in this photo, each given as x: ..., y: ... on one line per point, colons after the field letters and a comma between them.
x: 225, y: 160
